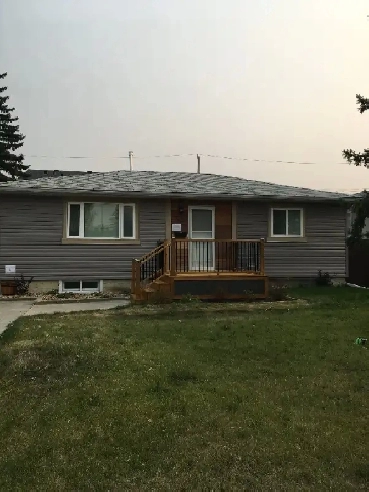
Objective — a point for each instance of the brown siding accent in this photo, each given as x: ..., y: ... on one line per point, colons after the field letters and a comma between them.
x: 223, y: 215
x: 223, y: 228
x: 223, y: 220
x: 179, y: 213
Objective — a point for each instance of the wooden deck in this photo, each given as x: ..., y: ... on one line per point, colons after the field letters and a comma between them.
x: 206, y: 269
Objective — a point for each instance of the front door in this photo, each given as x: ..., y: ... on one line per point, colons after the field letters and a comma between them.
x: 201, y: 226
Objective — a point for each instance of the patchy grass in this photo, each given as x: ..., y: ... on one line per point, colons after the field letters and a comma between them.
x: 238, y: 396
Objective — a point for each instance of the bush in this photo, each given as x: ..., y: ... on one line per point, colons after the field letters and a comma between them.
x: 190, y: 299
x: 22, y: 285
x: 323, y: 279
x: 278, y: 293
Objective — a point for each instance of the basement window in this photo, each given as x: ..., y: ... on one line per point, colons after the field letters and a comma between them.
x: 80, y: 286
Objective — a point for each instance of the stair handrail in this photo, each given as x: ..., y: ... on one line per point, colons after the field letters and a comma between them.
x: 140, y: 276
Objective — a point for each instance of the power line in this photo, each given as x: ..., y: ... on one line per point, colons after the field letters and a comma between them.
x: 167, y: 155
x: 73, y: 157
x: 271, y: 161
x: 188, y: 155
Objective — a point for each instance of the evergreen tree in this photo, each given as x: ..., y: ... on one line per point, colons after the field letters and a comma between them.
x: 359, y: 158
x: 361, y: 206
x: 11, y: 164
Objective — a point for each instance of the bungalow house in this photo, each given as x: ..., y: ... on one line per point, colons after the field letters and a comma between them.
x: 201, y: 234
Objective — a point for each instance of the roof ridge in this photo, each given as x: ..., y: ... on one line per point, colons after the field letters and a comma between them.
x: 219, y: 176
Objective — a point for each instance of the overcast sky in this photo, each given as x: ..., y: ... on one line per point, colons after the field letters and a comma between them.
x: 265, y: 79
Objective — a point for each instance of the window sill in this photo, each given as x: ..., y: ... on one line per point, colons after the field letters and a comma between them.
x: 72, y: 240
x: 287, y: 239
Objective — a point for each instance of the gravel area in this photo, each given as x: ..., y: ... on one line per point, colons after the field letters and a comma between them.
x: 69, y: 296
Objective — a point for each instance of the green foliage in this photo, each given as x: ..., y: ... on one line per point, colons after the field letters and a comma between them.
x: 65, y: 295
x: 363, y: 103
x: 22, y: 284
x: 361, y: 211
x: 278, y: 293
x: 190, y: 299
x: 361, y: 207
x: 323, y: 279
x: 11, y: 164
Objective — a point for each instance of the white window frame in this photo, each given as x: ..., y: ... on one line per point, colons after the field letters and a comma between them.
x: 201, y: 207
x: 287, y: 209
x: 192, y: 247
x: 82, y: 221
x: 62, y: 290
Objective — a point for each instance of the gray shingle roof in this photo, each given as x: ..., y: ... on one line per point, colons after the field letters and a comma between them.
x: 44, y: 173
x: 151, y: 183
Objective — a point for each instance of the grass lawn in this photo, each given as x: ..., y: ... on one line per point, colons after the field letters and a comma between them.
x: 255, y: 397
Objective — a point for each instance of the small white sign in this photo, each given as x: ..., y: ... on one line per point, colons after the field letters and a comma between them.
x: 10, y: 269
x: 176, y: 227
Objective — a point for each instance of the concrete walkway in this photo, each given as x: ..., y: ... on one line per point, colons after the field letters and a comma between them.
x: 74, y: 306
x: 11, y: 310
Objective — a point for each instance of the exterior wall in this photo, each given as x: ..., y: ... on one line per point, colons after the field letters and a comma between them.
x: 324, y: 248
x: 31, y: 231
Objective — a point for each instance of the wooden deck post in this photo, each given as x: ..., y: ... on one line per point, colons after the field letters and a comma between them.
x: 133, y: 279
x: 166, y: 256
x: 262, y: 256
x: 173, y: 258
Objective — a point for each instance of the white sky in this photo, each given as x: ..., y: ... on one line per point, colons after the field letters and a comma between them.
x: 265, y: 79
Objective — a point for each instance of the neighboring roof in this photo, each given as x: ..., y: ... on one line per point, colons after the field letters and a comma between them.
x: 169, y: 184
x: 360, y: 195
x: 44, y: 173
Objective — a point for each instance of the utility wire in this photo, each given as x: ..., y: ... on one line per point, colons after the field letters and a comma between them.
x: 187, y: 155
x: 272, y: 161
x: 73, y: 157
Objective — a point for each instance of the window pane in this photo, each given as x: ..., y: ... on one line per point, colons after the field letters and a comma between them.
x: 202, y: 220
x: 71, y: 285
x: 128, y: 221
x: 294, y: 223
x: 74, y: 213
x: 101, y: 220
x: 86, y: 285
x: 279, y: 222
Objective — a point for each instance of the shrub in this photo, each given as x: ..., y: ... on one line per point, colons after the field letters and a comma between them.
x: 190, y: 299
x: 22, y: 284
x: 278, y: 293
x: 323, y: 279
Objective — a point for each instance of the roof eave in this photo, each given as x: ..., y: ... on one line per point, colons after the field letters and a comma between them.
x: 140, y: 194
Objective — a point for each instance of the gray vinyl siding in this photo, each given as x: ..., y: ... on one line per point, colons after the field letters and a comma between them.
x: 325, y: 249
x: 31, y: 231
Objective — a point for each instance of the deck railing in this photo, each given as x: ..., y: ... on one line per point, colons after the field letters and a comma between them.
x: 198, y: 255
x: 150, y: 267
x: 217, y: 255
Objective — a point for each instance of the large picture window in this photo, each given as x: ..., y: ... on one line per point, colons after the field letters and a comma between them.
x: 287, y: 222
x: 98, y: 220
